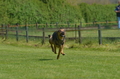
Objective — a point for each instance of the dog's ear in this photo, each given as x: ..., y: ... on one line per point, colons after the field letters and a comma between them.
x: 61, y: 30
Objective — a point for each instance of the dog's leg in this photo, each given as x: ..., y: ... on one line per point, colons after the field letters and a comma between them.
x: 52, y: 48
x: 62, y: 51
x: 59, y: 53
x: 55, y: 49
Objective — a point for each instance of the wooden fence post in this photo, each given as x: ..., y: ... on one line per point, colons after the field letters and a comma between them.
x: 26, y: 28
x: 36, y: 25
x: 17, y: 32
x: 2, y: 31
x: 75, y: 32
x: 43, y: 41
x: 99, y: 34
x: 56, y: 24
x: 46, y: 25
x: 79, y: 34
x: 106, y: 22
x: 68, y: 24
x: 6, y: 35
x: 93, y: 23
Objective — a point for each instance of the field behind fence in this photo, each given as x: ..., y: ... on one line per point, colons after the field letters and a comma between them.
x: 93, y: 32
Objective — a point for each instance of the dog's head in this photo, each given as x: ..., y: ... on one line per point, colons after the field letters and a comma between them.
x: 61, y: 33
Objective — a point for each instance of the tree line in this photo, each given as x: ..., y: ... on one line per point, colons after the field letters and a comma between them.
x: 52, y: 11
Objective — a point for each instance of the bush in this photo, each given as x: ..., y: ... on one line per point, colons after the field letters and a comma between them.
x: 52, y: 11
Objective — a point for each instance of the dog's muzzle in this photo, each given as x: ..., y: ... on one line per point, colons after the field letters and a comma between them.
x: 62, y: 34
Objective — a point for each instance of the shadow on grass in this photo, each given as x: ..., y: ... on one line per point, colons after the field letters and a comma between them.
x: 45, y: 59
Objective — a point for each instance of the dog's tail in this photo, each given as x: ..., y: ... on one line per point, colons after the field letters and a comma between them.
x: 49, y: 36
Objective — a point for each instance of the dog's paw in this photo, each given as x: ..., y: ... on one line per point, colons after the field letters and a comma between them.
x: 55, y: 52
x: 63, y: 54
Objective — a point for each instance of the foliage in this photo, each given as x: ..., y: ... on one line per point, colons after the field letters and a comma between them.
x: 52, y: 11
x: 97, y: 12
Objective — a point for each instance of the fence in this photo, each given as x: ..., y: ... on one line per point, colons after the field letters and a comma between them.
x: 42, y: 33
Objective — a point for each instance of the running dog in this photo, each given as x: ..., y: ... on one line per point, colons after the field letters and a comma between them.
x: 57, y: 40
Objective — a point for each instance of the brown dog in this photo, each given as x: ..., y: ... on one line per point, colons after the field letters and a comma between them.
x: 57, y: 40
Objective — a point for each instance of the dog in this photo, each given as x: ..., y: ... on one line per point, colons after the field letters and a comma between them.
x: 57, y: 40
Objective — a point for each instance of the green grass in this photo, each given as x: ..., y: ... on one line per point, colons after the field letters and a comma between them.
x: 28, y: 62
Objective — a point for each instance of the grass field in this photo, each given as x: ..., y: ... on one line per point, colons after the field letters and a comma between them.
x: 26, y: 62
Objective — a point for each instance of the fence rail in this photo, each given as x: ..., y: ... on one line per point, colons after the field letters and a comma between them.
x: 62, y: 24
x: 15, y: 30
